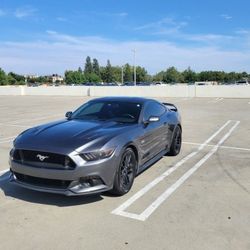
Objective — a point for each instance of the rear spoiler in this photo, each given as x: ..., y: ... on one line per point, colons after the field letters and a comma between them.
x: 170, y: 106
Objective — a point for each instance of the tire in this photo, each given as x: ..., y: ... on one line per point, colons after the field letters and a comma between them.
x: 125, y: 174
x: 175, y: 147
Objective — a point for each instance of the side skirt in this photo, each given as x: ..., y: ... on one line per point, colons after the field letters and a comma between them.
x: 152, y: 161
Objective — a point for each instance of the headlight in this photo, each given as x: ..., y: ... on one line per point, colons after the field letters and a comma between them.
x: 97, y: 155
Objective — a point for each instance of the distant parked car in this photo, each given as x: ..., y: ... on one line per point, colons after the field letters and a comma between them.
x: 33, y: 84
x: 128, y: 84
x: 88, y: 84
x: 91, y: 84
x: 143, y: 83
x: 110, y: 84
x: 158, y: 83
x: 242, y: 82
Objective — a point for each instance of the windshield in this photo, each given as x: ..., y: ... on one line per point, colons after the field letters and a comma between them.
x: 124, y: 112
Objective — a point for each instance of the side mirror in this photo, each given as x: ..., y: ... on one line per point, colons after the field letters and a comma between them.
x: 154, y: 119
x: 68, y: 114
x: 151, y: 119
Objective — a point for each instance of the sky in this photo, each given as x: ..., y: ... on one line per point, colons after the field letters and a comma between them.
x: 46, y: 37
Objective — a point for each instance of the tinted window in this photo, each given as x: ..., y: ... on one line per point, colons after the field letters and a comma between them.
x: 94, y: 108
x: 115, y: 111
x: 153, y: 109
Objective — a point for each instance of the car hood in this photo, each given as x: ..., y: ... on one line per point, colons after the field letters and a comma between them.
x: 67, y: 135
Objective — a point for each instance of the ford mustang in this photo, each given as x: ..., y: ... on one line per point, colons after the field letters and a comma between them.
x: 99, y: 147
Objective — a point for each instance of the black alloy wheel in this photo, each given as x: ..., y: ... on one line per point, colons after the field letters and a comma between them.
x: 126, y: 173
x: 176, y: 143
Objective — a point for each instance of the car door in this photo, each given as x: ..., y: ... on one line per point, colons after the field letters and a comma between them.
x: 154, y: 137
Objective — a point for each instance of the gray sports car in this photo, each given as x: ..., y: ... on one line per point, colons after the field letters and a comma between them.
x: 99, y: 147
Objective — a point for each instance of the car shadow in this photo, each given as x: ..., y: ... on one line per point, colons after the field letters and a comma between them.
x: 16, y: 192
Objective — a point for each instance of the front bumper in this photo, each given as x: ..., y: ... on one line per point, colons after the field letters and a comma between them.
x: 87, y: 178
x: 74, y: 191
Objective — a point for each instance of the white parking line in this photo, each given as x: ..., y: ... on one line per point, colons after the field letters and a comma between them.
x: 184, y: 99
x: 216, y: 100
x: 34, y: 119
x: 144, y: 190
x: 6, y: 139
x: 150, y: 209
x: 213, y: 100
x: 2, y: 142
x: 212, y: 145
x: 14, y: 125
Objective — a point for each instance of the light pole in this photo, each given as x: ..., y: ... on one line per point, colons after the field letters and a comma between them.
x: 134, y: 51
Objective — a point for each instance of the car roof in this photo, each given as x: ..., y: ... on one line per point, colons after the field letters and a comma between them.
x: 124, y: 98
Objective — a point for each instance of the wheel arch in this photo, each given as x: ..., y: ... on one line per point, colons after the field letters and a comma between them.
x: 135, y: 150
x: 177, y: 125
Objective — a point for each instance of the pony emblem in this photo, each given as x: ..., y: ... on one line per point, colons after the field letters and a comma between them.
x: 42, y: 157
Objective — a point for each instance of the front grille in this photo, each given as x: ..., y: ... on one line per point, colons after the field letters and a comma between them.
x: 43, y: 159
x: 42, y: 182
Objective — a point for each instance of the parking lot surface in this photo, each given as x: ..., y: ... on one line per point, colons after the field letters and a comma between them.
x: 197, y: 200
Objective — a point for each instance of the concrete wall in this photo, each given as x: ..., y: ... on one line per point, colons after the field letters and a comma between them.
x: 147, y: 91
x: 6, y: 90
x: 230, y: 91
x: 64, y: 90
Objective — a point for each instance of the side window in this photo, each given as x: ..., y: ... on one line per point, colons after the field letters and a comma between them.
x: 153, y: 109
x: 92, y: 108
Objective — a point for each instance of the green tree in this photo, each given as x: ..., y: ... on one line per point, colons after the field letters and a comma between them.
x: 74, y: 77
x: 219, y: 76
x: 108, y: 73
x: 211, y: 76
x: 232, y: 77
x: 2, y: 77
x: 96, y: 67
x: 11, y: 80
x: 189, y: 75
x: 42, y: 79
x: 31, y: 80
x: 244, y: 74
x: 159, y: 76
x: 92, y: 77
x: 171, y: 75
x: 117, y: 72
x: 127, y: 73
x: 203, y: 76
x: 18, y: 78
x: 149, y: 78
x: 141, y: 74
x: 88, y: 69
